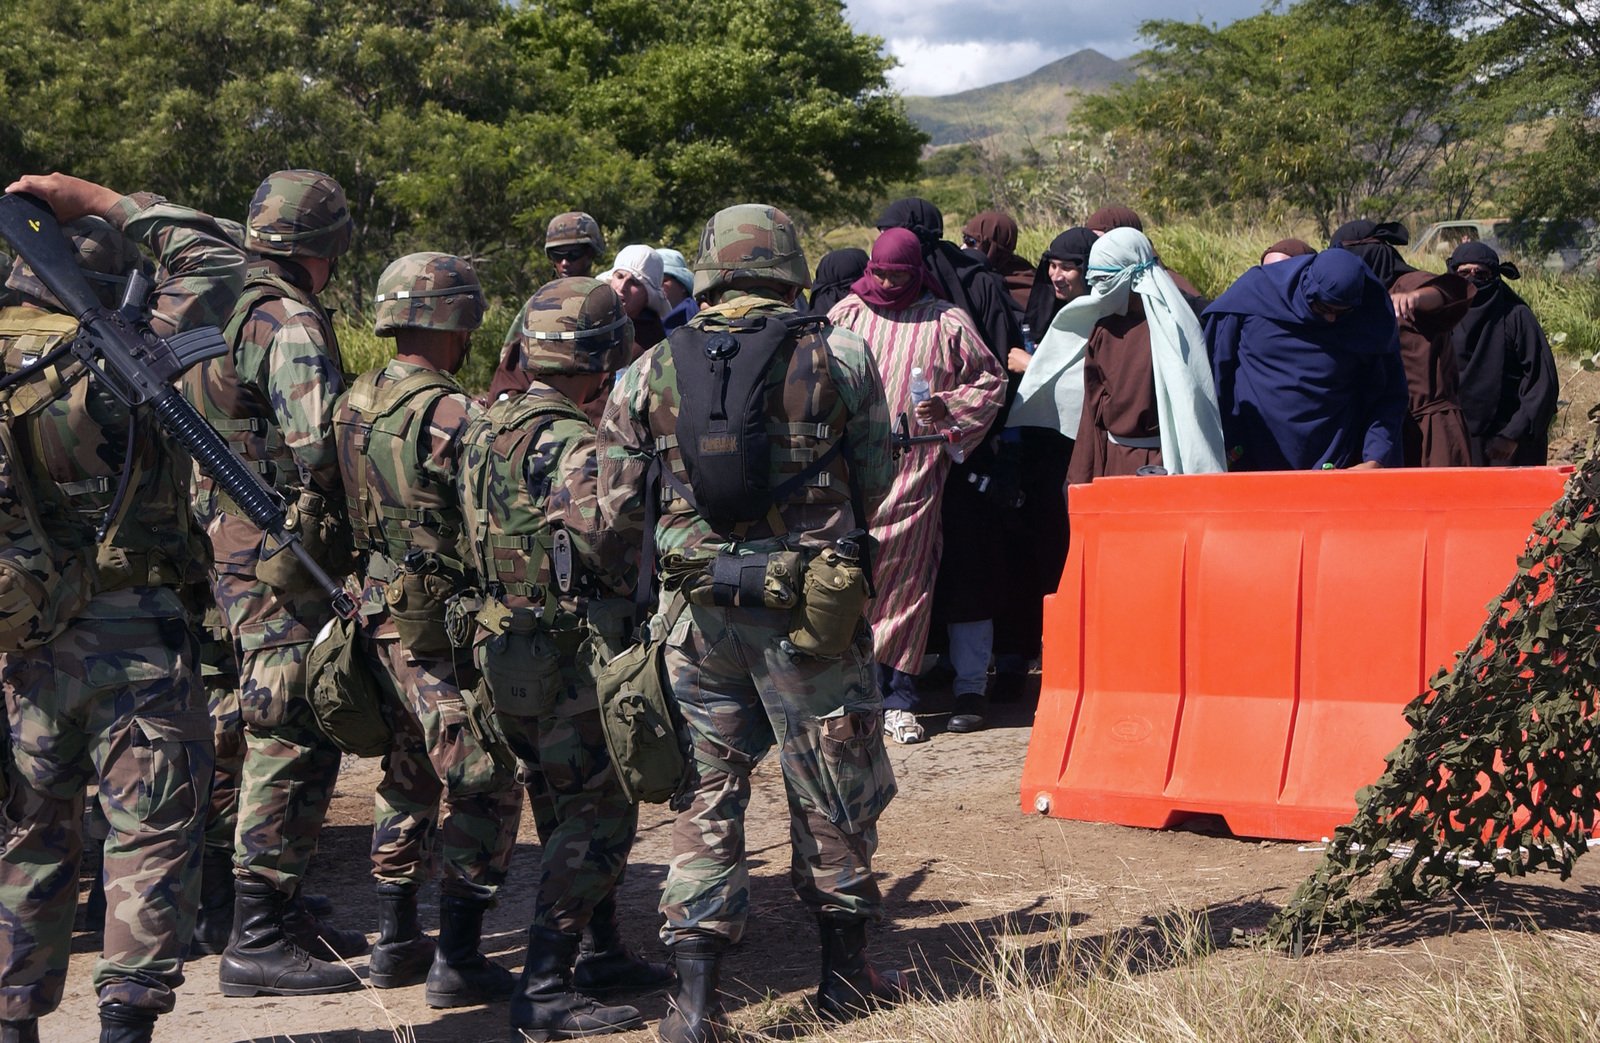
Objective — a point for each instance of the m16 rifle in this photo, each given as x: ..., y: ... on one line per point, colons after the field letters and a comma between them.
x: 133, y: 364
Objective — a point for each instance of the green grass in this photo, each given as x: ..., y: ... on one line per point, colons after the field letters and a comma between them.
x: 363, y: 350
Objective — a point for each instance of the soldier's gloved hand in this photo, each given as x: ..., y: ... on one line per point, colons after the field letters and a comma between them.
x: 69, y: 197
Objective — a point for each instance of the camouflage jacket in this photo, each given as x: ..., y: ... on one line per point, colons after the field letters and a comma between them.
x: 74, y: 442
x: 400, y: 473
x: 642, y: 415
x: 555, y: 487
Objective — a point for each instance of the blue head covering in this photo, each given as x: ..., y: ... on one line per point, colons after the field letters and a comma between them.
x: 1284, y: 293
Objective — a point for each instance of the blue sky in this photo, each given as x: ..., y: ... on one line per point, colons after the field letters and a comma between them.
x: 946, y: 46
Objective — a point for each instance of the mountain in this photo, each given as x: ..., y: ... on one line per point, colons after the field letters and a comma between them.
x: 1031, y: 107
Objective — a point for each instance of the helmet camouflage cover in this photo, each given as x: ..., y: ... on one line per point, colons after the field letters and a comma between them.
x: 299, y: 213
x: 749, y: 241
x: 575, y: 228
x: 104, y: 255
x: 428, y: 291
x: 574, y: 326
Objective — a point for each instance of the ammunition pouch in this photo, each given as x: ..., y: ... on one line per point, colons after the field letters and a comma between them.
x: 343, y: 693
x: 639, y: 718
x: 417, y: 607
x: 771, y: 580
x: 324, y: 534
x: 832, y: 604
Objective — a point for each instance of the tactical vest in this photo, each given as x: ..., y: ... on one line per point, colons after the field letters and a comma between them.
x: 394, y: 505
x: 805, y: 420
x: 241, y: 412
x: 509, y: 531
x: 73, y: 438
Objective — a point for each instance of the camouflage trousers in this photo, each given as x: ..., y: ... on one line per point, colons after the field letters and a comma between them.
x: 740, y: 695
x: 219, y: 673
x: 437, y: 756
x: 586, y: 824
x: 113, y: 700
x: 290, y: 767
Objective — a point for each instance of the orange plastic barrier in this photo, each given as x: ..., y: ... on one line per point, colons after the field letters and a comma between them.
x: 1241, y: 645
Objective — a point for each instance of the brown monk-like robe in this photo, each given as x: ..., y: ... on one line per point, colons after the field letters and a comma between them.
x: 1435, y: 429
x: 1119, y: 398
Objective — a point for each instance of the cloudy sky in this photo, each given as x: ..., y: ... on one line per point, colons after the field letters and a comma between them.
x: 946, y: 46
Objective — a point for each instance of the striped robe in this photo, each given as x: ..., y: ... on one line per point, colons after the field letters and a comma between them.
x: 941, y: 338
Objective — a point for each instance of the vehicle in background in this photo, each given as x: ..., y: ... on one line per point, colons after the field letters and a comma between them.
x: 1562, y: 249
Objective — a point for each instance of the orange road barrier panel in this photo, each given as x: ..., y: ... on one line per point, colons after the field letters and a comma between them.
x: 1241, y: 645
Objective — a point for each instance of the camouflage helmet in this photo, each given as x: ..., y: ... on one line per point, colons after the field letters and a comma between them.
x: 104, y: 255
x: 574, y: 326
x: 575, y: 228
x: 428, y: 291
x: 299, y: 213
x: 749, y: 241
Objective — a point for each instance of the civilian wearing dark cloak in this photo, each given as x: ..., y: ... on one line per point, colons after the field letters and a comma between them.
x: 973, y: 519
x: 1509, y: 382
x: 1298, y: 392
x: 1436, y: 429
x: 837, y: 270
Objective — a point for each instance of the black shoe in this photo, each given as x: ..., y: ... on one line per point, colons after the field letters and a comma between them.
x: 606, y: 965
x: 968, y: 715
x: 318, y: 937
x: 545, y: 1007
x: 122, y: 1023
x: 1008, y: 687
x: 461, y: 976
x: 214, y: 923
x: 262, y: 958
x: 24, y: 1031
x: 851, y: 986
x: 695, y: 1013
x: 403, y: 953
x: 318, y: 905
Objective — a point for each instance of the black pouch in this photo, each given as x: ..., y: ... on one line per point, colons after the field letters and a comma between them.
x: 771, y: 580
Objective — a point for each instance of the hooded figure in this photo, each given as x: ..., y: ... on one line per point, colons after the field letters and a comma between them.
x: 1284, y: 249
x: 1070, y: 249
x: 1428, y: 307
x: 1306, y: 355
x: 835, y: 272
x: 1124, y: 368
x: 994, y: 235
x: 1508, y: 373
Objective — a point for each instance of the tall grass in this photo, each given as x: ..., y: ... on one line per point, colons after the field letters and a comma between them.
x: 363, y: 350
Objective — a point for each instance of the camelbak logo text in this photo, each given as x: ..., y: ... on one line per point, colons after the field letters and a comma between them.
x: 719, y: 444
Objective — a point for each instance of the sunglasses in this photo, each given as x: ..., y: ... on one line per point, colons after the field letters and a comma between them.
x: 968, y: 241
x: 568, y: 253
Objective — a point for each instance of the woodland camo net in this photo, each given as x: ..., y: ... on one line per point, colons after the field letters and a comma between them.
x: 1501, y: 770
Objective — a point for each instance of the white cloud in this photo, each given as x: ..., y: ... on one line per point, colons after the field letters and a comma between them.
x: 945, y: 68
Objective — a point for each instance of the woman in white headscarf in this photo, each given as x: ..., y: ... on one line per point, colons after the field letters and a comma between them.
x: 1124, y: 371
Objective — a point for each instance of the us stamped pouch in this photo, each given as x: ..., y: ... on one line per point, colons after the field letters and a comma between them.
x: 343, y: 693
x: 639, y: 723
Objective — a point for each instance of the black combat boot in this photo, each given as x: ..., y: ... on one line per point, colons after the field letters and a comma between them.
x: 545, y: 1007
x: 261, y: 957
x: 403, y: 953
x: 24, y: 1031
x: 851, y: 986
x: 462, y: 976
x: 122, y: 1023
x: 695, y: 1013
x: 606, y: 965
x: 214, y: 923
x: 319, y: 937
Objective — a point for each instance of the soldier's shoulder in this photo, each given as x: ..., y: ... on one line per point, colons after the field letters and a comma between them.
x: 846, y: 344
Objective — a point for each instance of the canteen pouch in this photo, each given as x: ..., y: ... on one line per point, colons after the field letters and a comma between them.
x: 325, y: 537
x: 832, y: 605
x: 771, y: 580
x: 41, y: 589
x: 417, y: 607
x: 522, y: 667
x: 343, y: 693
x: 639, y: 722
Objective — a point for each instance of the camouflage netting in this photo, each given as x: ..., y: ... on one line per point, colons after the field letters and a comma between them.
x: 1501, y: 773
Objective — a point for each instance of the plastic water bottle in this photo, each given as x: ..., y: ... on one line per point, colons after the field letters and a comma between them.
x: 1027, y: 340
x: 920, y: 392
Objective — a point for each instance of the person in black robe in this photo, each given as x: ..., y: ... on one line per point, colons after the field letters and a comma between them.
x: 837, y: 270
x: 1508, y: 373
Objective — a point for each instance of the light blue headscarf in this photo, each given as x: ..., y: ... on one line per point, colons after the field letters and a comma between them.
x: 1051, y: 394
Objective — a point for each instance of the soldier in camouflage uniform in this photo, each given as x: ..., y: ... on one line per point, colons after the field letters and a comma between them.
x: 740, y: 684
x: 553, y: 610
x: 400, y: 431
x: 573, y: 243
x: 112, y: 698
x: 272, y: 398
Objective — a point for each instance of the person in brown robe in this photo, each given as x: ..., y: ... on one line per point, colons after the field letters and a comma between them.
x: 1108, y: 217
x: 994, y: 235
x: 1428, y: 307
x: 1119, y: 432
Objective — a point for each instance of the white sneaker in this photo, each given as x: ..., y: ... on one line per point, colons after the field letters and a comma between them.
x: 903, y: 728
